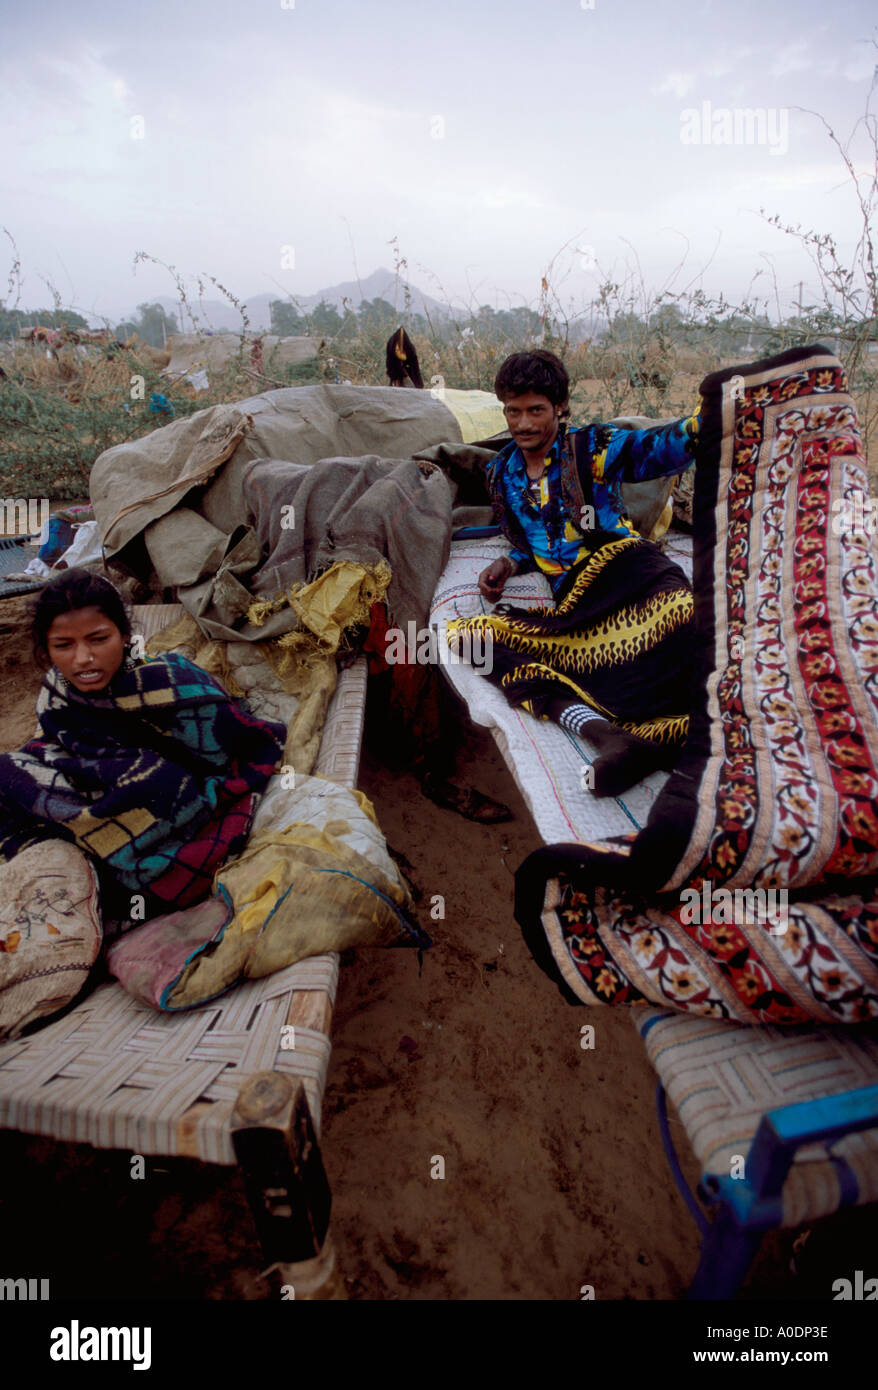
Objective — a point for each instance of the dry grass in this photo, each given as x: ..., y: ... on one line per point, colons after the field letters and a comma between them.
x: 85, y: 398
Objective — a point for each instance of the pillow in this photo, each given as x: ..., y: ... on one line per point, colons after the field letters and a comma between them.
x: 50, y: 931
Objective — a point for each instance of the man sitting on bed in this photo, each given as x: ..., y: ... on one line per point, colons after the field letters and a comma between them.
x: 612, y: 659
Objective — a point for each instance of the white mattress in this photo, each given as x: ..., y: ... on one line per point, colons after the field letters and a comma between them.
x: 546, y: 761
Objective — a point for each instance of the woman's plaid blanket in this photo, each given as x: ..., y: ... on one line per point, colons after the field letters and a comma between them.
x: 155, y: 778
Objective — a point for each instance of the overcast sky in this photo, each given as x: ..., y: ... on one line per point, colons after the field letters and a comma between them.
x: 485, y: 135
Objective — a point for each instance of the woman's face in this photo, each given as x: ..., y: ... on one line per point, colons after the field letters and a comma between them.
x: 87, y: 648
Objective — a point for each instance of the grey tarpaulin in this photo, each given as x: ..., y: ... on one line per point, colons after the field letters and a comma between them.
x: 199, y: 502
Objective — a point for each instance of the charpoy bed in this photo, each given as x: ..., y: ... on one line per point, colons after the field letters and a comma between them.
x: 238, y: 1079
x: 784, y: 1120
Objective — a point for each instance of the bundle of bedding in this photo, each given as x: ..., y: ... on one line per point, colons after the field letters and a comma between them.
x: 315, y: 876
x: 751, y: 892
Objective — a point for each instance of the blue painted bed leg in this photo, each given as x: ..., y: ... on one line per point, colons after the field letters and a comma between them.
x: 661, y: 1105
x: 747, y: 1206
x: 726, y: 1249
x: 727, y: 1252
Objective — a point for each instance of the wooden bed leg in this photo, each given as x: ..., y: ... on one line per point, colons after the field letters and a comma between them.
x: 317, y: 1279
x: 277, y: 1149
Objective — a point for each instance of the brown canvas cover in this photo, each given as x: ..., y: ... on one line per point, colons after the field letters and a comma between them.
x: 199, y: 503
x: 133, y: 484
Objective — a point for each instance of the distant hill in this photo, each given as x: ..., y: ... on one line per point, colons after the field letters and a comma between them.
x: 381, y: 284
x: 218, y: 316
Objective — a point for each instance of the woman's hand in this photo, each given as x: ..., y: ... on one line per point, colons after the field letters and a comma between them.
x: 493, y: 579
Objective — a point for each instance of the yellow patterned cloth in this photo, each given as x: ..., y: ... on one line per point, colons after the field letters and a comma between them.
x: 315, y: 876
x: 619, y: 640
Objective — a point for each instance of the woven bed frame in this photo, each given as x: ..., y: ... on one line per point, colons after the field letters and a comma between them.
x: 219, y: 1083
x: 801, y: 1104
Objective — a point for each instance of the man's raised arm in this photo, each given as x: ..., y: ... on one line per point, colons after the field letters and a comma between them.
x: 636, y: 456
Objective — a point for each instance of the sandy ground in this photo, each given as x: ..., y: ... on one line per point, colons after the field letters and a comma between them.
x: 554, y: 1173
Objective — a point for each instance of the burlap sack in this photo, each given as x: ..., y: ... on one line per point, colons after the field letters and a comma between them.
x: 50, y: 931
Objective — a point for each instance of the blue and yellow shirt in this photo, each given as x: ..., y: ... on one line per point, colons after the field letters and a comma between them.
x: 555, y: 542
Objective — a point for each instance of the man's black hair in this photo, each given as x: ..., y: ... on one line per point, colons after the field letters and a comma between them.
x: 72, y: 589
x: 539, y: 371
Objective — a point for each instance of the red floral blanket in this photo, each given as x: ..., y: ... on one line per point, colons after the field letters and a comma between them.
x: 752, y: 892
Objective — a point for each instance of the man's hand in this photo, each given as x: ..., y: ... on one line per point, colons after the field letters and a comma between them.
x: 493, y: 580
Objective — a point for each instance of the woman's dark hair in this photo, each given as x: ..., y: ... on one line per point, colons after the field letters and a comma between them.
x: 72, y: 589
x: 541, y: 372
